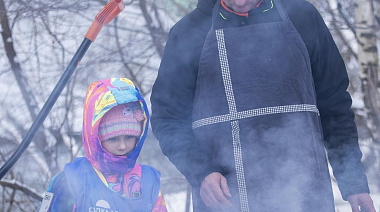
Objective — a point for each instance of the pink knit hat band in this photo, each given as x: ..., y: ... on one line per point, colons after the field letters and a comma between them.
x: 119, y: 128
x: 125, y: 119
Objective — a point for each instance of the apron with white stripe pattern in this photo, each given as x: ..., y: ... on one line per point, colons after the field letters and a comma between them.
x: 255, y: 113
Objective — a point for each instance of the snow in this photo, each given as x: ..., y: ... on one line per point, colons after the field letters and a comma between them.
x: 357, y: 100
x: 176, y: 202
x: 9, y: 40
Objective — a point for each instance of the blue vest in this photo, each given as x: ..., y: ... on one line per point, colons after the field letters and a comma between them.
x: 92, y: 195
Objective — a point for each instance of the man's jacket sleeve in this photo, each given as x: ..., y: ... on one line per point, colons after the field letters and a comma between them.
x: 172, y: 104
x: 334, y: 103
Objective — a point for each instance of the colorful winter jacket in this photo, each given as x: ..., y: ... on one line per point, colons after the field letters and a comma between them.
x: 101, y: 180
x: 174, y: 89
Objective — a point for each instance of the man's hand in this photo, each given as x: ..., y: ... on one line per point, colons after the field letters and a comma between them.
x: 215, y: 192
x: 363, y: 200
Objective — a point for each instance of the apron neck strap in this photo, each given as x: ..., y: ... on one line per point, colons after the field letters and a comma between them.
x: 281, y: 10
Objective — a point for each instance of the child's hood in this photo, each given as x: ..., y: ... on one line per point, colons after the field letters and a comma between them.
x: 101, y: 97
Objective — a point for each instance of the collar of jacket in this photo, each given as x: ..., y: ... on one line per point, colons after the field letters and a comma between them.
x: 264, y: 6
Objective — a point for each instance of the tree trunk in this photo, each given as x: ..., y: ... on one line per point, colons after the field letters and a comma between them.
x: 369, y: 66
x: 377, y: 12
x: 30, y: 101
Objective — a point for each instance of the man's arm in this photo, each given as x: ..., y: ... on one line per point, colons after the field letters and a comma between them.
x: 334, y: 103
x: 339, y: 128
x: 172, y: 104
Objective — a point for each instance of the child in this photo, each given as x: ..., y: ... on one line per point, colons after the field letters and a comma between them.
x: 115, y: 124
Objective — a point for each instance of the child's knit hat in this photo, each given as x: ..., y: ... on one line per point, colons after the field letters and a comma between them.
x: 124, y: 119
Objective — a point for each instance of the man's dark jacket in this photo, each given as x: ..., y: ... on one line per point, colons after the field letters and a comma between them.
x: 173, y: 91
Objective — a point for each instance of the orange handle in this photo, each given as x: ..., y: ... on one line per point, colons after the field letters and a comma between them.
x: 107, y: 14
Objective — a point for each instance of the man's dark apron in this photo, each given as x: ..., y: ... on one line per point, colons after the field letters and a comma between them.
x: 255, y: 113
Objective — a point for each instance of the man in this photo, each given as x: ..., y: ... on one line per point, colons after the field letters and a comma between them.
x: 248, y: 94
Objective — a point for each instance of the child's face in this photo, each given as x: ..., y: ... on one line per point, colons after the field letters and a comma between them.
x: 120, y: 145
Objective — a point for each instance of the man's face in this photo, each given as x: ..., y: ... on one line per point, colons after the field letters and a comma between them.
x: 241, y: 6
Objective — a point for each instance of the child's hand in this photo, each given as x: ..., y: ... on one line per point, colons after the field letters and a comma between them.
x: 214, y: 191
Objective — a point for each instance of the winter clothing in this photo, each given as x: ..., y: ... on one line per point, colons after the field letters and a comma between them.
x: 60, y: 188
x: 121, y: 120
x: 281, y: 134
x: 102, y: 180
x: 252, y: 98
x: 100, y: 98
x: 90, y: 183
x: 132, y: 180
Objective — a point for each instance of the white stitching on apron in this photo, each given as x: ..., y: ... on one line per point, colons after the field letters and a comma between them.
x: 239, y: 167
x: 234, y: 116
x: 226, y: 71
x: 234, y: 124
x: 255, y: 112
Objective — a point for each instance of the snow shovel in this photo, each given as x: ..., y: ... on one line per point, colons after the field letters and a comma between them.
x: 105, y: 15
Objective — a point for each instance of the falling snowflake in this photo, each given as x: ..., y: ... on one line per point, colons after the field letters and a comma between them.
x: 9, y: 40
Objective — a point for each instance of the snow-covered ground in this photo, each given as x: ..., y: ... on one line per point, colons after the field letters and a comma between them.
x: 175, y: 202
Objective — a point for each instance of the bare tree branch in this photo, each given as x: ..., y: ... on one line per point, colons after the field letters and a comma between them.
x: 15, y: 65
x: 154, y: 32
x: 338, y: 31
x: 121, y: 54
x: 180, y: 7
x: 40, y: 138
x: 21, y: 187
x: 11, y: 200
x: 345, y: 18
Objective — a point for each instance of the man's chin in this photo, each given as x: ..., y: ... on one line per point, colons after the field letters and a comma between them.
x: 242, y: 9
